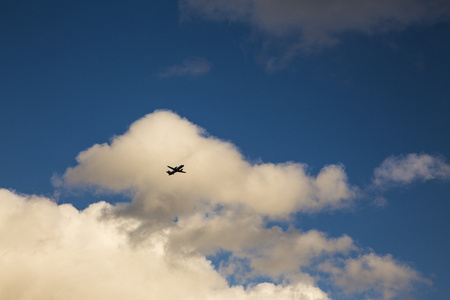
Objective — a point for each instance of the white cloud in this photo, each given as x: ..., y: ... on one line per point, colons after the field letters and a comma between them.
x: 222, y: 204
x: 217, y: 173
x: 50, y: 251
x: 270, y: 252
x: 191, y: 67
x: 381, y: 274
x: 318, y: 23
x: 405, y: 169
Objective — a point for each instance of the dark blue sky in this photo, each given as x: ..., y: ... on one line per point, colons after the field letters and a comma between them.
x: 76, y: 73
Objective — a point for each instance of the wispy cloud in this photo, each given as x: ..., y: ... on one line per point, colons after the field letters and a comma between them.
x: 191, y: 67
x: 405, y: 169
x: 114, y: 251
x: 317, y: 24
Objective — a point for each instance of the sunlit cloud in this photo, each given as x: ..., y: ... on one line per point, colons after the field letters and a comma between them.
x: 175, y: 226
x: 51, y: 251
x: 405, y: 169
x: 316, y: 24
x: 135, y: 161
x: 191, y: 67
x: 382, y: 274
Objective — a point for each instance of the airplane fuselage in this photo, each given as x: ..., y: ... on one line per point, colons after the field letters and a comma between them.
x: 175, y: 170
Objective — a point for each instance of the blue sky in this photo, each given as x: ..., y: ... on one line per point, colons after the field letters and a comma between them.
x: 358, y: 88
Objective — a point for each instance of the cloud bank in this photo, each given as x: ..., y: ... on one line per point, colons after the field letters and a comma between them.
x: 51, y: 251
x: 162, y: 243
x: 317, y: 24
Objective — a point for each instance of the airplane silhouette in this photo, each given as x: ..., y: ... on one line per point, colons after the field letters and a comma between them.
x: 175, y: 170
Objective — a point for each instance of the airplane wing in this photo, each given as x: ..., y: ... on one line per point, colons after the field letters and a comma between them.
x: 171, y: 168
x: 181, y: 171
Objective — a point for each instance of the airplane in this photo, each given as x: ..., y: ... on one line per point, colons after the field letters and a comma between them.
x: 175, y: 170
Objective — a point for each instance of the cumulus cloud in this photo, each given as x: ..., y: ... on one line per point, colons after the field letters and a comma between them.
x: 51, y: 251
x: 382, y: 274
x: 268, y: 252
x: 315, y: 24
x: 174, y: 225
x: 405, y: 169
x: 135, y: 161
x: 191, y: 67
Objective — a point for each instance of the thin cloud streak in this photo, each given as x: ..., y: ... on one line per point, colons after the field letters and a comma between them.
x: 191, y: 67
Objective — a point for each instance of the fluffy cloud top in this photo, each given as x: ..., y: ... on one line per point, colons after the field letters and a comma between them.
x: 219, y: 210
x: 216, y: 173
x: 402, y: 170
